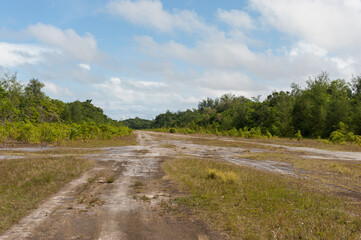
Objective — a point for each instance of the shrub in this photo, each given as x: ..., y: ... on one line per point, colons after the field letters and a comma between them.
x: 59, y: 132
x: 233, y: 132
x: 342, y: 135
x: 28, y: 133
x: 338, y: 137
x: 298, y: 135
x: 268, y: 134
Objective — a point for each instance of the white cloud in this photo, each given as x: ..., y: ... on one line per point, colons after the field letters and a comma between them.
x: 178, y: 71
x: 151, y: 13
x: 147, y: 85
x: 12, y: 55
x: 212, y: 53
x: 85, y: 66
x: 83, y: 48
x: 128, y: 95
x: 56, y: 91
x: 143, y: 12
x: 304, y: 48
x: 129, y: 90
x: 329, y: 24
x: 228, y: 81
x: 236, y: 18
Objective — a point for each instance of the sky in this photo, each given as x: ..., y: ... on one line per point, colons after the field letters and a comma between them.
x: 140, y: 58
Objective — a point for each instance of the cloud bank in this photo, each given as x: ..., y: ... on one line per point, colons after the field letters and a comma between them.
x: 176, y: 57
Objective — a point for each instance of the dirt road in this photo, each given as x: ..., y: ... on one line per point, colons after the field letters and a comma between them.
x: 127, y: 206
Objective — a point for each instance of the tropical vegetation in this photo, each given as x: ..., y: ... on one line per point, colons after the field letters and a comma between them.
x: 28, y: 115
x: 324, y: 108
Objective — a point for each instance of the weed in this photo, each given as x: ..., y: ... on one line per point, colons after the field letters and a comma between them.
x: 110, y: 179
x: 138, y: 184
x: 145, y: 198
x: 91, y: 180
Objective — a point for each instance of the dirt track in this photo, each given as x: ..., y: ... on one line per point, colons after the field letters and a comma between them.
x: 128, y: 208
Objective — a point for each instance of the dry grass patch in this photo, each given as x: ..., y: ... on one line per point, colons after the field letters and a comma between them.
x: 253, y: 142
x: 262, y: 205
x: 98, y: 143
x: 24, y: 183
x: 168, y: 145
x: 52, y: 152
x: 342, y: 174
x: 231, y: 143
x: 313, y: 143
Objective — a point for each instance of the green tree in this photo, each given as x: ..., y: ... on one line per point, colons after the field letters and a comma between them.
x: 339, y: 108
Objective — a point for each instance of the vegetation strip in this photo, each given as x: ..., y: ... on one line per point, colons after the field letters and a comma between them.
x: 24, y: 183
x: 252, y: 204
x: 27, y: 115
x: 329, y: 110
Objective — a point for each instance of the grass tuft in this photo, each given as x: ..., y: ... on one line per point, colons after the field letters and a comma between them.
x: 223, y: 176
x: 110, y: 179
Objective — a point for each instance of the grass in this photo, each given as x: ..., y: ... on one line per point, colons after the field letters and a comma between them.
x: 138, y: 184
x: 313, y: 143
x: 138, y: 187
x: 97, y: 143
x: 145, y: 198
x: 343, y: 174
x: 168, y: 145
x: 89, y: 143
x: 24, y: 183
x: 225, y: 141
x: 253, y: 204
x: 210, y: 141
x: 105, y: 175
x: 55, y: 151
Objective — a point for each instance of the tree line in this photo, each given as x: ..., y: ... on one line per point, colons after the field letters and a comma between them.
x: 322, y: 107
x: 27, y: 114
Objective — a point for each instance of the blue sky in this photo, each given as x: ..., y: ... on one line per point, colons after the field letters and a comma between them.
x: 143, y: 57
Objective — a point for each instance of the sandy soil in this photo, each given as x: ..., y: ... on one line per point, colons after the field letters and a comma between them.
x: 129, y: 207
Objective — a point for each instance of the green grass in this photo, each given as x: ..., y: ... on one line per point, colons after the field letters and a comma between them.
x: 253, y: 204
x: 24, y: 183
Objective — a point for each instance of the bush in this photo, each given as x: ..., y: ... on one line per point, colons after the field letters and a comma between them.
x: 338, y: 137
x: 233, y: 132
x: 298, y: 135
x: 268, y: 134
x: 58, y: 132
x: 342, y: 135
x: 27, y: 132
